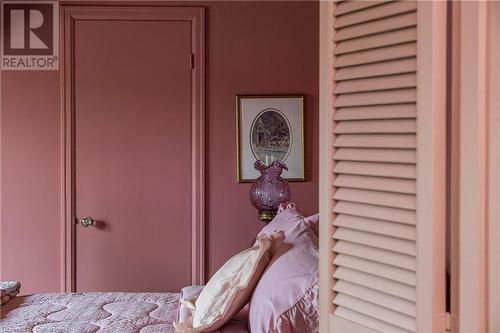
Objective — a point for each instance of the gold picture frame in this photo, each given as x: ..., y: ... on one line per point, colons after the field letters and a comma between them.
x: 287, y: 109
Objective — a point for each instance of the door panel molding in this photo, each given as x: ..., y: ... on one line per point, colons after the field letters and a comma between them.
x: 69, y: 15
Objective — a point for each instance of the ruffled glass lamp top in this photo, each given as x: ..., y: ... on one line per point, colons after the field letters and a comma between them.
x: 269, y: 190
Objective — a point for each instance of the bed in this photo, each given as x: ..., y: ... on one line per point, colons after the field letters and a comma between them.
x: 288, y: 306
x: 103, y: 312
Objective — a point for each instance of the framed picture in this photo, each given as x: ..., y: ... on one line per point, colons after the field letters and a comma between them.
x: 270, y: 128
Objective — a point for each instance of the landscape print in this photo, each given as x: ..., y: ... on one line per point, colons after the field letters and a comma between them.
x: 269, y: 128
x: 270, y: 136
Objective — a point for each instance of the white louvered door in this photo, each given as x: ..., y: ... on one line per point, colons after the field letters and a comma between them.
x: 388, y: 166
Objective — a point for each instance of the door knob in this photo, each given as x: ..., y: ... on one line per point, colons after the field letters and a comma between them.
x: 87, y: 221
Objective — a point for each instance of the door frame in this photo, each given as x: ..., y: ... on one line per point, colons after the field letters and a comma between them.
x: 494, y: 168
x: 69, y: 15
x: 477, y: 106
x: 472, y: 110
x: 326, y: 165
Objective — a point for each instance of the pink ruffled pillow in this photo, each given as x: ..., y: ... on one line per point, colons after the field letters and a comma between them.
x: 286, y: 297
x: 286, y: 219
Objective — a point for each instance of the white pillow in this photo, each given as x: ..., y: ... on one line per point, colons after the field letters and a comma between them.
x: 190, y: 294
x: 229, y: 290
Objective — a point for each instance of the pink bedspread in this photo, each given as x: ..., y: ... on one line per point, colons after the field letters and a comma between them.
x: 98, y: 312
x: 91, y: 312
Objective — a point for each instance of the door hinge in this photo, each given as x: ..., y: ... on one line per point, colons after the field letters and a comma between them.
x: 447, y: 321
x: 191, y: 59
x: 450, y: 322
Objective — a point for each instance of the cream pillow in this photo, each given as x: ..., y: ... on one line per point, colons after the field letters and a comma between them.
x: 229, y: 290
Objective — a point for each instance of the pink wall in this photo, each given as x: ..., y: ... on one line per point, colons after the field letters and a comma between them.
x: 252, y: 48
x: 30, y: 171
x: 255, y: 49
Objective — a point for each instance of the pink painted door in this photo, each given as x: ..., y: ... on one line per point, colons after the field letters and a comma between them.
x: 132, y: 154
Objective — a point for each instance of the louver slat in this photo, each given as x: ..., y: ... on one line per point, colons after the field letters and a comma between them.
x: 367, y: 321
x: 367, y: 266
x: 377, y: 283
x: 404, y: 201
x: 377, y: 112
x: 370, y: 14
x: 376, y: 183
x: 376, y: 226
x: 385, y: 271
x: 377, y: 212
x: 377, y: 98
x: 407, y: 156
x: 378, y: 69
x: 377, y: 41
x: 375, y: 254
x: 376, y: 141
x: 378, y: 26
x: 376, y: 83
x: 375, y: 297
x: 376, y: 55
x: 351, y: 6
x: 376, y: 311
x: 376, y: 126
x: 382, y: 242
x: 407, y: 171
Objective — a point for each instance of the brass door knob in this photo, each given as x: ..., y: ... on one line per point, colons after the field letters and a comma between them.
x: 87, y: 221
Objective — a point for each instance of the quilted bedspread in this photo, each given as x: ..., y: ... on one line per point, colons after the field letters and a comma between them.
x: 91, y: 312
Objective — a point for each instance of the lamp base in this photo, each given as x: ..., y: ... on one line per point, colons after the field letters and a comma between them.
x: 266, y: 216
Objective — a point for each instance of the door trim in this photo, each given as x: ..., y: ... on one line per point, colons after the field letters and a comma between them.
x: 473, y: 219
x: 494, y: 168
x: 431, y: 166
x: 326, y: 164
x: 69, y: 15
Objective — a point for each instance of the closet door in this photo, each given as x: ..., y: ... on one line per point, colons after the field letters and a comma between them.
x: 386, y: 141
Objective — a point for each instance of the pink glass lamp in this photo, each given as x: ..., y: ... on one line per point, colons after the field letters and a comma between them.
x: 269, y: 190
